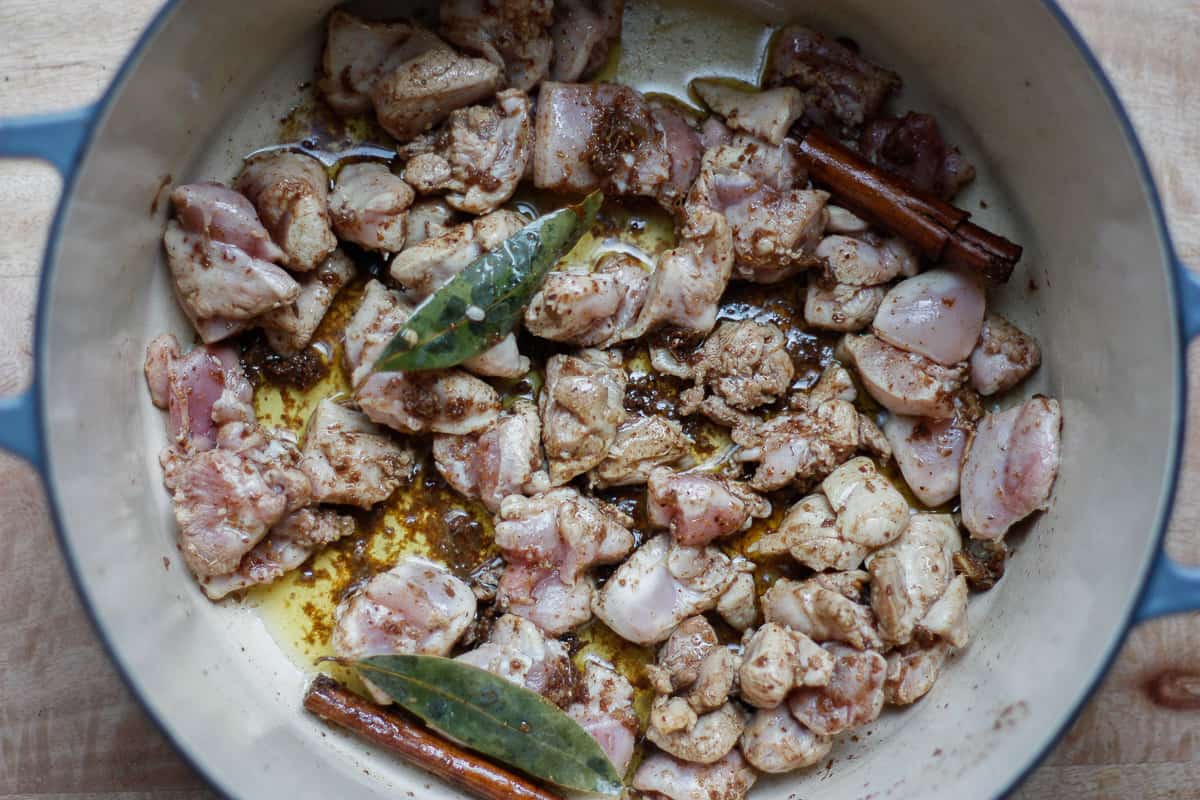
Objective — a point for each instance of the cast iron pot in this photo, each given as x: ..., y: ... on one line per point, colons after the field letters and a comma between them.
x: 1100, y: 287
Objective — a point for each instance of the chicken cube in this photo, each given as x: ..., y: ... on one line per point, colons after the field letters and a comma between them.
x: 291, y: 192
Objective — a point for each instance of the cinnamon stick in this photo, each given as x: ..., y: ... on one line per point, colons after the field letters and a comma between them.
x: 390, y: 728
x: 939, y: 230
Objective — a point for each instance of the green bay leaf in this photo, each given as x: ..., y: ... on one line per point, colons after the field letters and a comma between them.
x: 494, y: 289
x: 496, y: 718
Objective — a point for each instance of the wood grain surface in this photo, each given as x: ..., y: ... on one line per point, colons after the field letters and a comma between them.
x: 70, y: 729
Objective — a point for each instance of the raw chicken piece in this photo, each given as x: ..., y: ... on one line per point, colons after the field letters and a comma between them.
x: 643, y: 443
x: 679, y: 659
x: 929, y: 454
x: 810, y: 533
x: 947, y: 618
x: 775, y: 226
x: 1010, y: 467
x: 541, y: 596
x: 738, y: 605
x: 413, y: 96
x: 219, y: 213
x: 501, y: 360
x: 435, y: 401
x: 563, y: 530
x: 912, y: 148
x: 870, y: 511
x: 841, y: 306
x: 718, y: 675
x: 866, y: 260
x: 821, y: 614
x: 775, y: 742
x: 291, y: 193
x: 519, y: 652
x: 201, y: 390
x: 854, y: 696
x: 937, y: 314
x: 415, y: 607
x: 683, y: 147
x: 422, y: 269
x: 349, y: 460
x: 799, y: 446
x: 660, y: 585
x: 842, y: 90
x: 582, y: 404
x: 911, y: 574
x: 290, y: 328
x: 479, y: 156
x: 378, y: 318
x: 708, y: 740
x: 583, y: 31
x: 745, y: 363
x: 912, y: 672
x: 728, y: 779
x: 589, y: 309
x: 368, y: 206
x: 512, y: 34
x: 873, y: 439
x: 902, y: 382
x: 699, y: 508
x: 503, y: 460
x: 428, y: 219
x: 766, y: 115
x: 357, y: 50
x: 777, y: 660
x: 289, y: 544
x: 161, y: 354
x: 1004, y: 356
x: 605, y: 711
x: 841, y: 220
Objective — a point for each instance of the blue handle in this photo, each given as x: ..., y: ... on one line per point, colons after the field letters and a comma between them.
x: 58, y: 139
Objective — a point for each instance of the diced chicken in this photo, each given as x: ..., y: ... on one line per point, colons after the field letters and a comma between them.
x: 841, y: 306
x: 683, y: 147
x: 840, y: 220
x: 777, y: 660
x: 937, y: 314
x: 766, y: 115
x: 902, y: 382
x: 291, y: 193
x: 800, y: 446
x: 583, y: 31
x: 201, y: 390
x: 563, y: 530
x: 379, y: 316
x: 929, y: 454
x: 912, y: 671
x: 1004, y: 356
x: 718, y: 675
x: 659, y: 586
x: 540, y: 595
x: 821, y: 614
x: 349, y: 460
x: 357, y: 50
x: 853, y: 698
x: 416, y: 607
x: 368, y: 206
x: 589, y: 309
x: 708, y: 740
x: 776, y: 227
x: 436, y: 401
x: 512, y: 34
x: 219, y: 213
x: 428, y: 219
x: 161, y: 354
x: 873, y: 439
x: 288, y: 545
x: 505, y: 459
x: 479, y: 156
x: 605, y: 711
x: 810, y: 533
x: 414, y: 96
x: 699, y: 508
x: 671, y: 714
x: 775, y: 742
x: 738, y: 605
x: 947, y: 619
x: 1010, y: 467
x: 643, y: 443
x: 870, y: 511
x: 501, y: 360
x: 681, y: 656
x: 842, y: 90
x: 912, y: 148
x: 582, y: 404
x: 745, y: 363
x: 290, y: 327
x: 911, y: 574
x: 866, y: 260
x: 421, y: 269
x: 660, y: 775
x: 519, y: 652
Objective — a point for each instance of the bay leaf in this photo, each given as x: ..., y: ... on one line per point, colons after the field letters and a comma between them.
x: 496, y: 718
x: 482, y: 304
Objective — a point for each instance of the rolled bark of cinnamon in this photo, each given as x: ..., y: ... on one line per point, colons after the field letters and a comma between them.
x: 939, y: 230
x: 389, y: 728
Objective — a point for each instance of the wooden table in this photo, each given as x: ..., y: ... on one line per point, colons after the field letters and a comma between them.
x: 69, y: 728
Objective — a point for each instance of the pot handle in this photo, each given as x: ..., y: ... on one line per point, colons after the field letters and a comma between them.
x: 57, y: 139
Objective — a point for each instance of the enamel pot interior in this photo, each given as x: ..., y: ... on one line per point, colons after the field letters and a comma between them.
x: 1057, y: 174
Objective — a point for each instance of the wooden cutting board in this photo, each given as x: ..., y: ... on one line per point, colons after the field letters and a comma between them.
x: 69, y: 728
